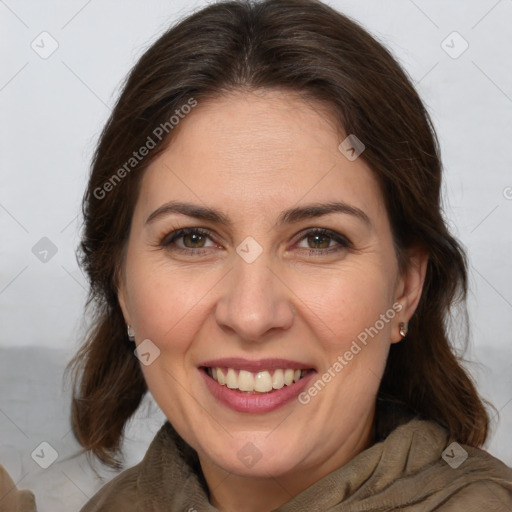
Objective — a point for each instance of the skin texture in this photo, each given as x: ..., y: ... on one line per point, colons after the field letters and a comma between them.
x: 252, y: 155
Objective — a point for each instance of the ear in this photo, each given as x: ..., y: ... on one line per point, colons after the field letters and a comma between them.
x: 409, y: 288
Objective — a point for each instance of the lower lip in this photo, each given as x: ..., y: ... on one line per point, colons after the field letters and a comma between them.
x: 257, y: 402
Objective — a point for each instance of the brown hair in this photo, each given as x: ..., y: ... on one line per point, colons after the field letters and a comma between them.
x: 306, y: 47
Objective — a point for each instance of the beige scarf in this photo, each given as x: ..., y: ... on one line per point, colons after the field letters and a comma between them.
x: 12, y: 500
x: 412, y: 468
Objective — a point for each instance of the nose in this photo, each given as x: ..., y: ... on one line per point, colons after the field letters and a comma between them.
x: 254, y: 302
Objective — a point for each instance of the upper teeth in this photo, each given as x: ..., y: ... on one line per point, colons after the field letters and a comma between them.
x: 261, y: 381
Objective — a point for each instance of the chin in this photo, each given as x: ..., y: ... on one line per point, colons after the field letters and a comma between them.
x: 256, y: 455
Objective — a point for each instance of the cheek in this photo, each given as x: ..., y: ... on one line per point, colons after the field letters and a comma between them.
x: 166, y: 308
x: 159, y: 301
x: 169, y: 305
x: 345, y: 302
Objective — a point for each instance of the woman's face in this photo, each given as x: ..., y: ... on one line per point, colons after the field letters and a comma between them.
x: 287, y: 269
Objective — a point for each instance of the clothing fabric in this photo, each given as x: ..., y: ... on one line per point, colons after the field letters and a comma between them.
x: 411, y: 467
x: 13, y: 500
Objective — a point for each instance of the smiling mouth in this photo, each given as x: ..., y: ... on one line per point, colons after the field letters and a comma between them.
x: 266, y: 381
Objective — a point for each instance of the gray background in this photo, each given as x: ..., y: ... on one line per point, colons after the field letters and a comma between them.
x: 53, y: 110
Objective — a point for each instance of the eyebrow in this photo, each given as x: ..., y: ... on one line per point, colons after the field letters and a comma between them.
x: 290, y: 216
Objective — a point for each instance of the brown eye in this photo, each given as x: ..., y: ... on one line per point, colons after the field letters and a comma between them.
x: 187, y: 239
x: 318, y: 241
x: 324, y: 241
x: 193, y: 240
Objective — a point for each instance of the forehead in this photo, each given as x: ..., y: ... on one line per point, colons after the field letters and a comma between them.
x: 258, y: 153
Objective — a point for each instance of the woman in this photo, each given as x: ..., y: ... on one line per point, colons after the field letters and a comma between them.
x: 267, y: 256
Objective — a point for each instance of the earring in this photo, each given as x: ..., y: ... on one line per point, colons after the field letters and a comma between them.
x: 403, y: 329
x: 131, y: 335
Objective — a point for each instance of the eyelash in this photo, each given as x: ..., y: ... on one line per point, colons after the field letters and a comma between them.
x: 171, y: 238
